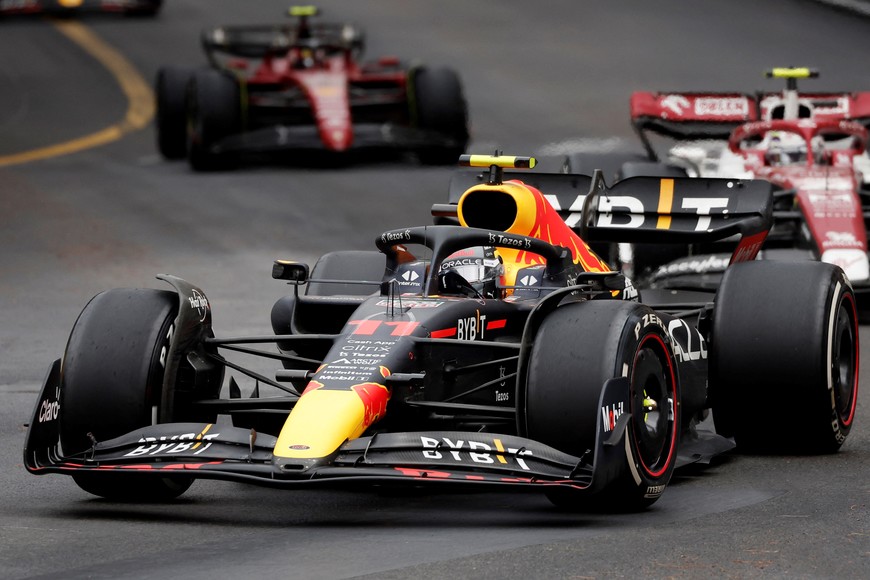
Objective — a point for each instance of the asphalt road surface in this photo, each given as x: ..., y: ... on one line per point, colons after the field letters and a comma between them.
x: 541, y: 78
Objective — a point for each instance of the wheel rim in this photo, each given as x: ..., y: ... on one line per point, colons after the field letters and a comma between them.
x: 652, y: 407
x: 844, y: 361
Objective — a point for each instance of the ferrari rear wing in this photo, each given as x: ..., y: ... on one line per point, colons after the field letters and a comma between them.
x: 259, y: 41
x: 647, y: 209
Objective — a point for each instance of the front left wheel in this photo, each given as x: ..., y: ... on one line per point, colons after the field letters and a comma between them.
x: 578, y: 348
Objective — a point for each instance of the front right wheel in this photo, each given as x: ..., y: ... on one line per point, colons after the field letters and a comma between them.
x: 112, y: 383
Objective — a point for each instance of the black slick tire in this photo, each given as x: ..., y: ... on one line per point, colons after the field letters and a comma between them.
x: 438, y: 105
x: 577, y: 349
x: 171, y: 114
x: 112, y: 381
x: 784, y: 357
x: 213, y: 113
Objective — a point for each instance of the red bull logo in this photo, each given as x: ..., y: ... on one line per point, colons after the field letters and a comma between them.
x: 374, y: 397
x: 536, y: 218
x: 312, y: 386
x: 541, y: 221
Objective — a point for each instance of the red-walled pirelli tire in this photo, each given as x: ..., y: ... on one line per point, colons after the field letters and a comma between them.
x: 112, y: 381
x: 213, y: 113
x: 577, y: 349
x: 784, y: 357
x: 171, y: 115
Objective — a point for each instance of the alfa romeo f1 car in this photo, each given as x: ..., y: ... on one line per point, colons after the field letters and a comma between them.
x: 810, y: 145
x: 305, y: 87
x: 62, y: 7
x: 491, y: 351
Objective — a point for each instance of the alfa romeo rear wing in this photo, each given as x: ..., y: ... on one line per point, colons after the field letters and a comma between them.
x: 690, y: 115
x: 647, y: 209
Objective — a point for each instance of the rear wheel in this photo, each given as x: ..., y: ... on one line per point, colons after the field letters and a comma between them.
x: 438, y: 105
x: 213, y: 113
x: 112, y: 383
x: 784, y: 371
x: 577, y: 349
x: 171, y: 121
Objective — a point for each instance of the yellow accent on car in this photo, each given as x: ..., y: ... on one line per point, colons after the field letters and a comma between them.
x: 320, y: 422
x: 505, y: 161
x: 666, y: 202
x: 791, y: 73
x: 303, y: 11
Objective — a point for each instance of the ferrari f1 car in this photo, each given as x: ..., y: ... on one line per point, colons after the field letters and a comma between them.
x: 810, y: 145
x: 496, y: 351
x: 62, y: 7
x: 305, y: 87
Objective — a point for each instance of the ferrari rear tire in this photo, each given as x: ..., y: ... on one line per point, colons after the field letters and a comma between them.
x: 171, y: 115
x: 112, y: 383
x: 578, y: 348
x: 213, y: 113
x: 438, y: 105
x: 784, y: 357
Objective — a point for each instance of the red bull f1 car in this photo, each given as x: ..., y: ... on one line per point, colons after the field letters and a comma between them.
x: 305, y: 87
x: 492, y: 350
x: 66, y: 7
x: 811, y: 145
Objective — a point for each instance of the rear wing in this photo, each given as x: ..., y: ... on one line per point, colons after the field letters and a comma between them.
x: 647, y: 209
x: 690, y: 116
x: 260, y: 41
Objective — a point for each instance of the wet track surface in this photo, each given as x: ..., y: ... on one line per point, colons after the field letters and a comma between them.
x: 539, y: 80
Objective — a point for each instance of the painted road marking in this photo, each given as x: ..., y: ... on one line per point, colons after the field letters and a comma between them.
x: 140, y: 98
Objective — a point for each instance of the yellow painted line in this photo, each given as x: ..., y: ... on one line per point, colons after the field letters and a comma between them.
x: 140, y: 98
x: 666, y: 203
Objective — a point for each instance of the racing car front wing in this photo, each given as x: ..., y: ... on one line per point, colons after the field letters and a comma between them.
x: 226, y: 452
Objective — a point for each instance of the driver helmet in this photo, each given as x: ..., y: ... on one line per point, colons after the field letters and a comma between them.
x: 480, y: 266
x: 784, y: 148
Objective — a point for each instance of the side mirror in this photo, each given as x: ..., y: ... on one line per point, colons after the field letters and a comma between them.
x: 293, y: 272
